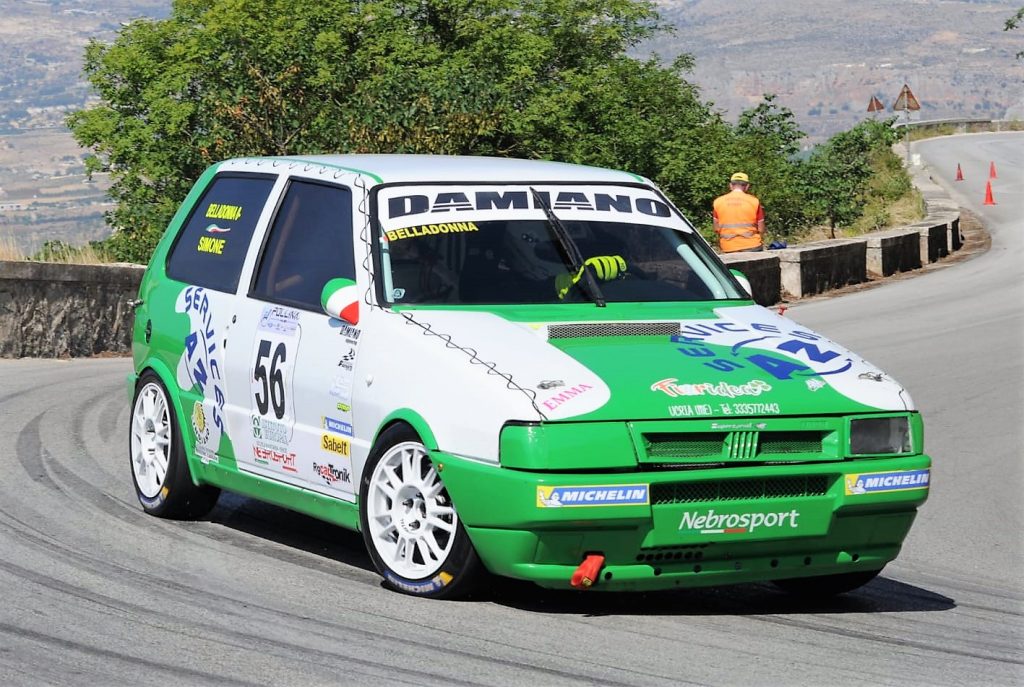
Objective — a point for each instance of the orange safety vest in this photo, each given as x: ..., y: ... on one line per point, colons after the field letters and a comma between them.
x: 737, y: 214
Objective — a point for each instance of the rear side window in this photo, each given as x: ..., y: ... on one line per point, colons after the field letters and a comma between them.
x: 310, y: 243
x: 211, y: 247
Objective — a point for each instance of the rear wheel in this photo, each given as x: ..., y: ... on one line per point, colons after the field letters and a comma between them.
x: 409, y: 523
x: 826, y: 585
x: 163, y: 483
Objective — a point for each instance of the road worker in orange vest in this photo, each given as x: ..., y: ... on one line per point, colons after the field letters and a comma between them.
x: 739, y: 217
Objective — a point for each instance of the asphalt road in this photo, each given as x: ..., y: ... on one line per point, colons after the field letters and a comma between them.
x: 92, y: 591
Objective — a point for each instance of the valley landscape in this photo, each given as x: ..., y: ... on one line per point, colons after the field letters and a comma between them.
x: 824, y: 60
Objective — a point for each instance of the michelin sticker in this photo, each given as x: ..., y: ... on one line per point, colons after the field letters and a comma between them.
x: 879, y: 482
x: 201, y: 365
x: 607, y: 495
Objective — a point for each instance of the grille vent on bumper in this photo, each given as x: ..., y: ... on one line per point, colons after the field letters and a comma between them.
x: 581, y: 330
x: 680, y: 450
x: 740, y: 489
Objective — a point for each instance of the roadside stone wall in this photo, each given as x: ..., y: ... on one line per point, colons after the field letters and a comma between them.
x: 50, y: 310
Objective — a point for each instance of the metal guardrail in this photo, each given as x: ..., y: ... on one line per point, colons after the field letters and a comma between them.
x: 960, y: 121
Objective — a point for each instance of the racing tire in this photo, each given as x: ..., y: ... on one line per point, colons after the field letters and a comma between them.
x: 160, y: 473
x: 410, y: 526
x: 824, y: 586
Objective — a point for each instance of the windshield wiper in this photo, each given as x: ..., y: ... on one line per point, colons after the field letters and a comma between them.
x: 570, y: 251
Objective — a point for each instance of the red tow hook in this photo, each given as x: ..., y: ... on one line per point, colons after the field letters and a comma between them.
x: 586, y: 575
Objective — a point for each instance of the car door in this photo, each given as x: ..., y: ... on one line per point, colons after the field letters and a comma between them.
x: 293, y: 364
x: 207, y: 257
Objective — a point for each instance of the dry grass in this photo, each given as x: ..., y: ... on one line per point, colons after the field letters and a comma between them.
x: 68, y: 255
x: 9, y: 249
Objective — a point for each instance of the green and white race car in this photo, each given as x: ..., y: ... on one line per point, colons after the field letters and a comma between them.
x: 528, y: 369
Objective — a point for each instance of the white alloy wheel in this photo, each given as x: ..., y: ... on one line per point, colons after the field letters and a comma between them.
x: 151, y: 439
x: 411, y: 521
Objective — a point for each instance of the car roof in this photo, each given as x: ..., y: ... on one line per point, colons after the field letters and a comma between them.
x: 433, y: 168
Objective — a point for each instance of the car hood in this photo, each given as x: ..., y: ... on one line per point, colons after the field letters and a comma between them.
x: 740, y: 361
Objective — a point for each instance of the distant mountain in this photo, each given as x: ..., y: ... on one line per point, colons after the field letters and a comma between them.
x: 826, y: 58
x: 41, y: 59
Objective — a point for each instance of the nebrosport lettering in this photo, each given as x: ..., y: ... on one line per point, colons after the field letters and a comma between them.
x: 736, y: 523
x: 430, y: 230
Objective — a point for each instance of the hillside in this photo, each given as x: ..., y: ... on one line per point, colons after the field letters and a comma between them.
x: 825, y: 59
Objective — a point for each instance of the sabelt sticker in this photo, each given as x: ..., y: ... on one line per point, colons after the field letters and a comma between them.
x: 605, y: 495
x: 879, y: 482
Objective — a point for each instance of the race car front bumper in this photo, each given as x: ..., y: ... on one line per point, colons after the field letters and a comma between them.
x: 663, y: 529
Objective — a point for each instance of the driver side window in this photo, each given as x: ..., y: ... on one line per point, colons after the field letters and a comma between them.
x: 310, y: 243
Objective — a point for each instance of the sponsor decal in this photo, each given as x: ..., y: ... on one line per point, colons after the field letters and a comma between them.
x: 673, y: 388
x: 329, y: 442
x: 270, y: 431
x: 709, y: 522
x: 349, y: 332
x: 208, y: 244
x: 564, y: 397
x: 430, y: 230
x: 220, y: 211
x: 620, y: 202
x: 343, y: 407
x: 348, y: 359
x: 435, y: 583
x: 282, y: 459
x: 550, y: 384
x: 341, y: 387
x: 216, y: 229
x: 738, y: 426
x: 330, y: 474
x: 279, y: 319
x: 337, y: 426
x: 815, y: 384
x: 879, y: 482
x: 605, y: 495
x: 199, y: 426
x: 807, y: 354
x: 200, y: 363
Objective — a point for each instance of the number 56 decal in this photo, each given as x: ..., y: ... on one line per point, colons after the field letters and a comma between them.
x: 273, y: 359
x: 273, y: 386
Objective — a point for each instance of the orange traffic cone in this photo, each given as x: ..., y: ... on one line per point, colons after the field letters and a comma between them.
x: 959, y: 173
x: 992, y: 170
x: 989, y: 200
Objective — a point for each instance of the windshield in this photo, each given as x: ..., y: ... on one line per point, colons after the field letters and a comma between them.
x: 512, y: 255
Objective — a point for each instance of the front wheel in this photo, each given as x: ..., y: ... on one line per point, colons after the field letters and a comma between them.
x: 826, y: 585
x: 163, y: 483
x: 409, y: 523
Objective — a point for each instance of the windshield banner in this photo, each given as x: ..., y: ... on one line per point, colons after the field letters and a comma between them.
x: 410, y: 211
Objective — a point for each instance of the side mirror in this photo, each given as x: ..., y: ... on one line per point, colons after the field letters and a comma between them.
x: 744, y: 282
x: 340, y: 299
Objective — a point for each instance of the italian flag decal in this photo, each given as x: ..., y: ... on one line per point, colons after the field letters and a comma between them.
x: 340, y: 298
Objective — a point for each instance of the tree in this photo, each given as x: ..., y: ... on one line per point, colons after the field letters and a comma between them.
x: 1014, y: 22
x: 838, y: 174
x: 767, y: 141
x: 225, y: 78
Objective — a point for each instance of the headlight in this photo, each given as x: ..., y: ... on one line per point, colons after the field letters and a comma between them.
x: 880, y: 435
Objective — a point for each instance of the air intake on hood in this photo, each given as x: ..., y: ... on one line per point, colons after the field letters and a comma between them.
x: 580, y: 330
